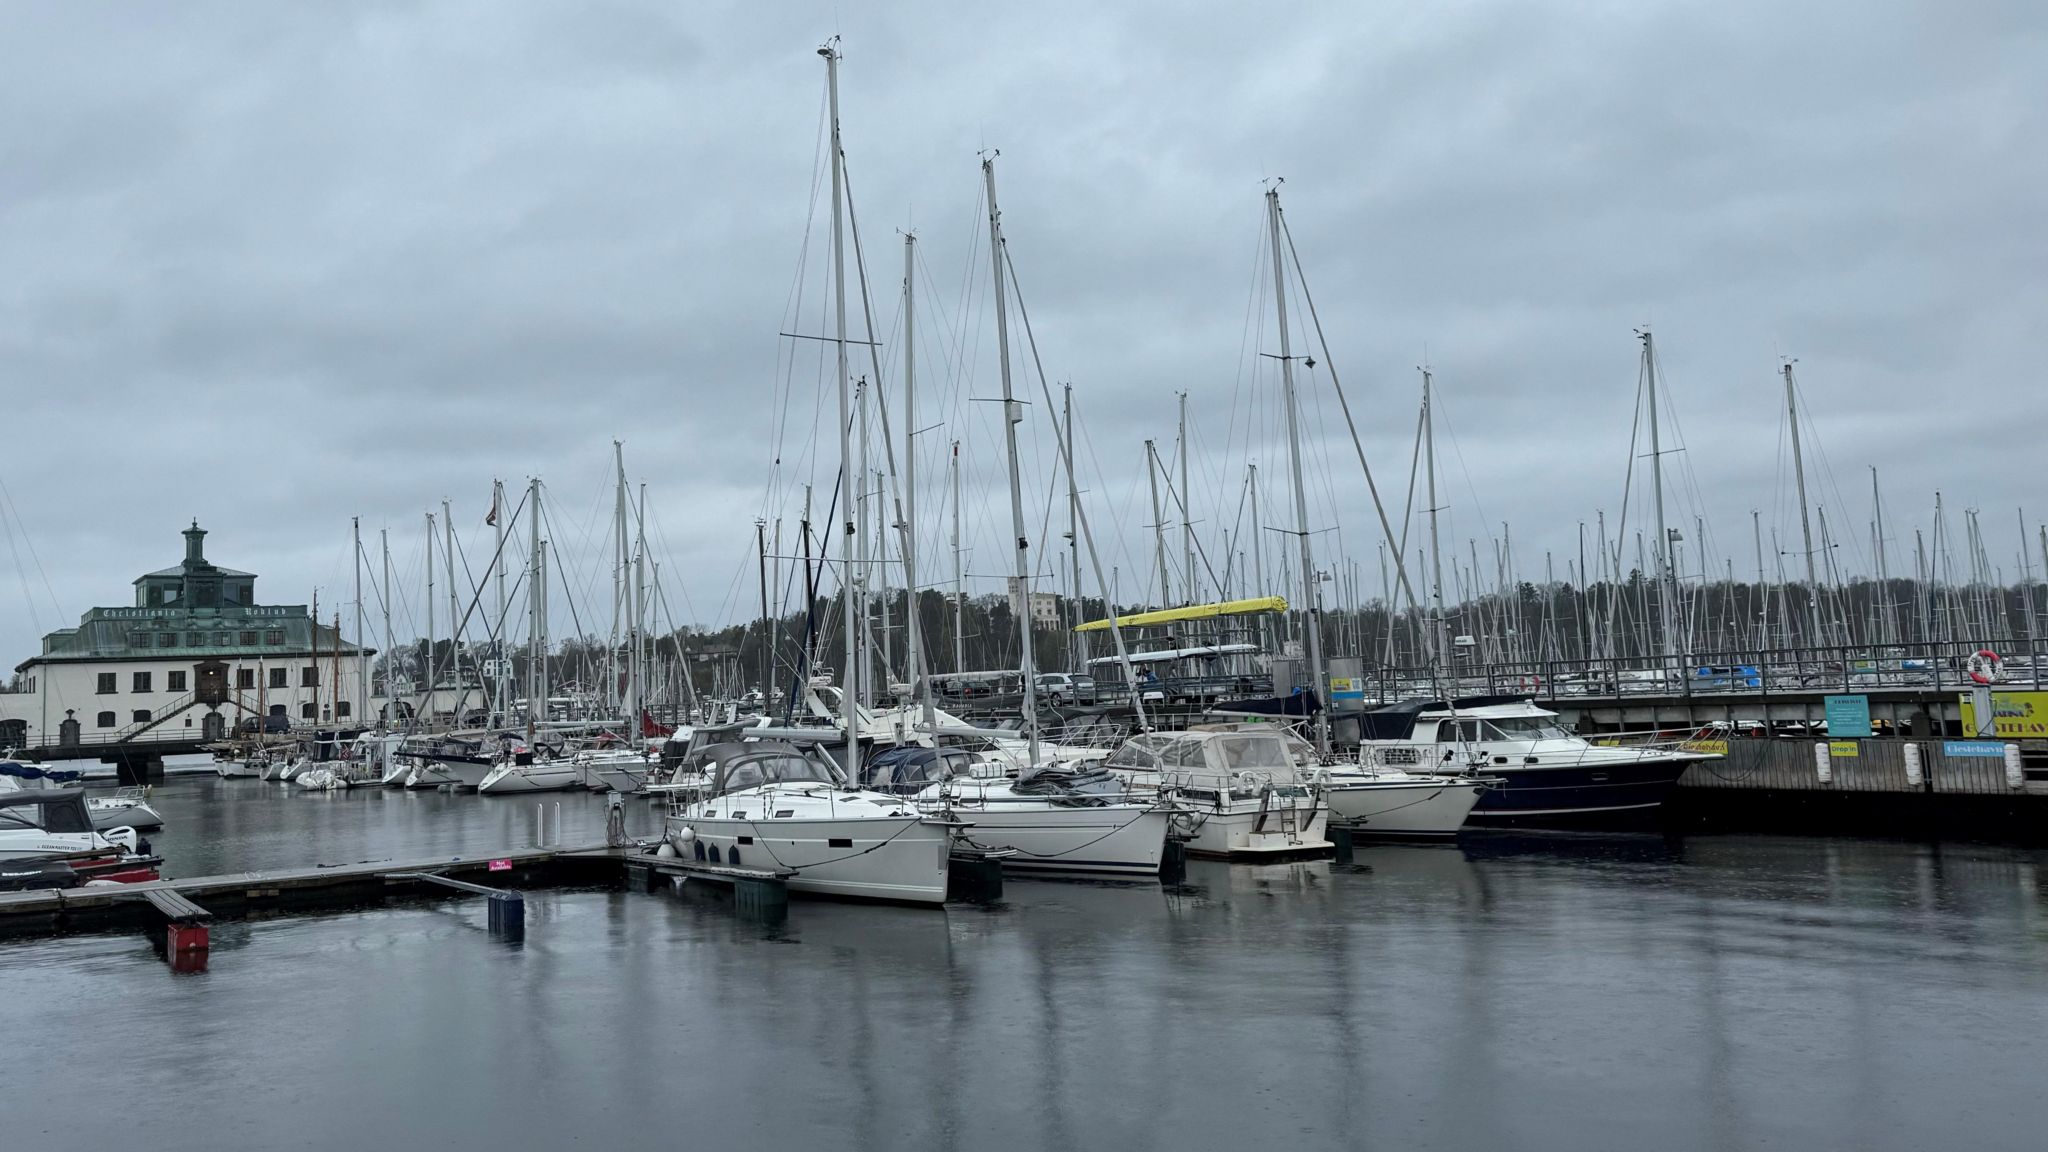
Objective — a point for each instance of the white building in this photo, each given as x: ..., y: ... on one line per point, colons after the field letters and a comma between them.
x: 195, y: 651
x: 1045, y: 607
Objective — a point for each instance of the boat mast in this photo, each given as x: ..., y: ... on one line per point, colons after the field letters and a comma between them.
x: 850, y: 551
x: 1805, y: 523
x: 1439, y: 643
x: 613, y: 699
x: 1190, y: 587
x: 501, y: 683
x: 427, y: 697
x: 767, y: 647
x: 636, y: 670
x: 454, y: 617
x: 1313, y: 621
x: 535, y: 655
x: 1158, y: 523
x: 1080, y: 661
x: 1258, y: 553
x: 384, y: 541
x: 959, y: 587
x: 355, y: 532
x: 913, y: 622
x: 1666, y: 582
x: 1013, y: 414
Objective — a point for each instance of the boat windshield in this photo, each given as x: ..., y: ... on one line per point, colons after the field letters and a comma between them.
x: 1524, y: 728
x: 772, y: 767
x: 1238, y: 751
x: 65, y: 815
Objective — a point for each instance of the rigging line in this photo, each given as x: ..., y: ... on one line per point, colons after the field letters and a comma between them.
x: 794, y: 302
x: 29, y: 542
x: 1407, y: 521
x: 1400, y: 563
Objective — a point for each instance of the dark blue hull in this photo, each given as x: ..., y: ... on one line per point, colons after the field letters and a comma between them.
x: 1577, y: 796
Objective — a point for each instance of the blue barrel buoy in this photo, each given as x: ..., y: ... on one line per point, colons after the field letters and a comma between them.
x: 506, y: 914
x: 1340, y: 839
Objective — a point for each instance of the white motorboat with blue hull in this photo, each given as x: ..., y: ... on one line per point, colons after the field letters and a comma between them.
x: 1544, y: 776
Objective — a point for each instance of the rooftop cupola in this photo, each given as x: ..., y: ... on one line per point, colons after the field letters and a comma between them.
x: 195, y: 546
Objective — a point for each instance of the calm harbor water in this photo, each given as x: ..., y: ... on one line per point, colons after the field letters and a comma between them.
x: 1511, y: 992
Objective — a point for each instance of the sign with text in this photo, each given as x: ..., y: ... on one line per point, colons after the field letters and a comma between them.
x: 2014, y: 715
x: 1848, y: 717
x: 1844, y: 749
x: 501, y: 865
x: 1988, y: 749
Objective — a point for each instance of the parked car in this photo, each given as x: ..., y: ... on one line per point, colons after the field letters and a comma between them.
x: 1064, y: 688
x: 271, y: 723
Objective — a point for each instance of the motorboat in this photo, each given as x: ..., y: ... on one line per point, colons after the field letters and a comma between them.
x: 1546, y: 776
x: 774, y: 806
x: 240, y: 767
x: 47, y: 841
x: 1237, y: 795
x: 1054, y: 821
x: 123, y: 808
x: 460, y: 762
x: 1376, y: 801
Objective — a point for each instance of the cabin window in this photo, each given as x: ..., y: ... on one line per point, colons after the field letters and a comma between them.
x: 245, y: 678
x: 174, y: 681
x: 309, y: 676
x: 141, y: 716
x: 745, y: 839
x: 107, y: 687
x: 106, y: 719
x: 141, y: 682
x: 838, y: 842
x: 280, y: 677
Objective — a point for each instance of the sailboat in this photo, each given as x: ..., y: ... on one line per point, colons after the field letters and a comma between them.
x: 773, y: 805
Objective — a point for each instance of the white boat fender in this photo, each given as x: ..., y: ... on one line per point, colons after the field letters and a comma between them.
x: 2015, y: 768
x: 1822, y: 766
x: 1914, y: 776
x: 667, y: 851
x: 684, y: 836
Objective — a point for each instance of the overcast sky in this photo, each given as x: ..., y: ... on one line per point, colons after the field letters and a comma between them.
x: 273, y: 266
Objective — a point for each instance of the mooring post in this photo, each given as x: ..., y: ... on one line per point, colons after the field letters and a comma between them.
x: 506, y: 915
x: 1340, y: 839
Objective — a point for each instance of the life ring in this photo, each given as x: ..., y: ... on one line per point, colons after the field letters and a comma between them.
x: 1984, y: 666
x: 1530, y: 684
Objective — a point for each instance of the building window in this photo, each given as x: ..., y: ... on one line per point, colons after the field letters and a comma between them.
x: 142, y: 715
x: 341, y: 709
x: 174, y: 681
x: 107, y: 688
x: 248, y: 639
x: 280, y: 677
x: 142, y: 682
x: 106, y: 719
x: 245, y: 678
x: 194, y: 639
x: 306, y: 712
x: 224, y: 639
x: 309, y: 676
x: 274, y: 637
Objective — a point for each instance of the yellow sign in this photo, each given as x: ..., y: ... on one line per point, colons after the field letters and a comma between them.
x: 1340, y: 683
x: 2014, y: 715
x: 1710, y: 747
x: 1843, y: 749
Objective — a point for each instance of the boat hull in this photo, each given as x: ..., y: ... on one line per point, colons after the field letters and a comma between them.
x: 900, y: 859
x: 510, y: 779
x: 436, y: 773
x: 1113, y: 840
x: 237, y: 770
x: 125, y: 814
x: 1242, y: 830
x: 1405, y: 809
x: 1603, y: 793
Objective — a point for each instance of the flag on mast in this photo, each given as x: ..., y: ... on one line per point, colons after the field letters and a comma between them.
x: 492, y: 520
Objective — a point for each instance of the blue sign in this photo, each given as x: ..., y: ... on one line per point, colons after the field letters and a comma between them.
x: 1992, y: 749
x: 1848, y: 717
